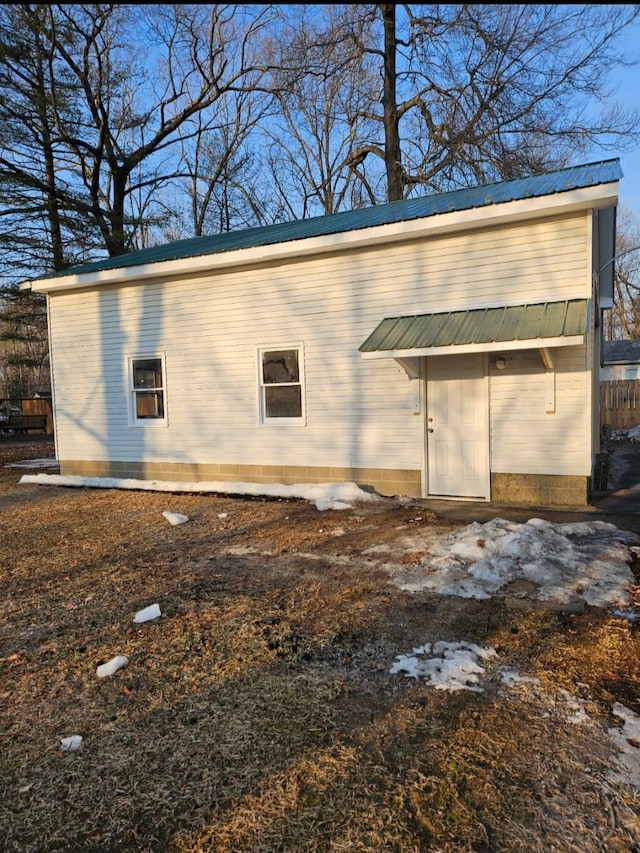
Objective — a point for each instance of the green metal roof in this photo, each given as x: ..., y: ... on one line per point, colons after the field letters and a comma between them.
x: 480, y: 326
x: 549, y: 183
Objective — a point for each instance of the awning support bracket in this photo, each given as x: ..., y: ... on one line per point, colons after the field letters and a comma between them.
x: 411, y: 367
x: 547, y: 358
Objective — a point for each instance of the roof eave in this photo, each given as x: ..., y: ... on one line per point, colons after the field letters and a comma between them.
x: 584, y: 198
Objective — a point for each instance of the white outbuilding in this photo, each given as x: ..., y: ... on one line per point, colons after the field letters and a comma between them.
x: 445, y: 346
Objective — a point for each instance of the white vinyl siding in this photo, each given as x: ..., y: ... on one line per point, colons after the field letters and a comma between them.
x: 358, y: 413
x: 524, y: 438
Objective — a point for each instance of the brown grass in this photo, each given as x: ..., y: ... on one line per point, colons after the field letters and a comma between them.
x: 258, y: 714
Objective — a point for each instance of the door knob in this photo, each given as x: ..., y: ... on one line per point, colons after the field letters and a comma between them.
x: 430, y: 429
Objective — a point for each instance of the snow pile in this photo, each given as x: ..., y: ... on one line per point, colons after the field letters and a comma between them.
x: 327, y: 495
x: 632, y: 434
x: 560, y: 562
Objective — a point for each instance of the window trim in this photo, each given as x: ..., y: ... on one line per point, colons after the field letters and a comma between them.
x: 135, y: 421
x: 265, y: 421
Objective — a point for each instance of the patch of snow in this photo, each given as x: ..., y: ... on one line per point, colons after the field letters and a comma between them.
x: 34, y: 463
x: 631, y: 615
x: 332, y: 493
x: 511, y: 677
x: 328, y: 503
x: 71, y: 743
x: 175, y: 517
x: 458, y: 666
x: 587, y: 560
x: 112, y: 666
x: 627, y: 739
x: 451, y: 666
x: 632, y: 434
x: 146, y: 615
x: 574, y: 708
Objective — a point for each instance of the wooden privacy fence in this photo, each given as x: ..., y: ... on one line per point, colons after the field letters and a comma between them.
x: 620, y: 403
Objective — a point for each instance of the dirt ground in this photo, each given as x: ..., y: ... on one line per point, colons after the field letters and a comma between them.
x: 258, y: 714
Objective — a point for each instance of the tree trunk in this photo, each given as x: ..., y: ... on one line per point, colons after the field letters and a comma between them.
x: 393, y: 155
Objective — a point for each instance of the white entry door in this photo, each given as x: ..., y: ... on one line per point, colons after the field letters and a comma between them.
x: 457, y: 426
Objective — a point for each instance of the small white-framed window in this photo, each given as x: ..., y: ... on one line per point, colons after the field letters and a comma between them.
x: 147, y: 392
x: 281, y: 385
x: 631, y: 373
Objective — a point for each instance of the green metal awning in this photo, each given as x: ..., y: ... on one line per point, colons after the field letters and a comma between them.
x: 546, y: 324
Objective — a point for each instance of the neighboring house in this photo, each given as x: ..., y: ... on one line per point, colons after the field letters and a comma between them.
x: 443, y: 346
x: 621, y: 360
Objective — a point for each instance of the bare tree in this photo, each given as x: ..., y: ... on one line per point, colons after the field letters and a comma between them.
x: 323, y: 86
x: 226, y: 190
x: 24, y: 355
x: 105, y: 109
x: 497, y: 91
x: 623, y: 320
x: 93, y: 101
x: 464, y: 94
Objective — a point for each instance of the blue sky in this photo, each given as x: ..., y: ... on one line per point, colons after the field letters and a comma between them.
x: 629, y: 95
